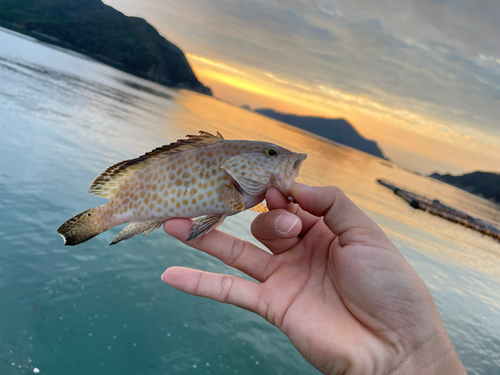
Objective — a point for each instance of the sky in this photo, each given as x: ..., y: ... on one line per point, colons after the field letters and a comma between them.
x: 420, y: 77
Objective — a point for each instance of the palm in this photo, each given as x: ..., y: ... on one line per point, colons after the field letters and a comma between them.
x: 302, y: 298
x: 302, y: 283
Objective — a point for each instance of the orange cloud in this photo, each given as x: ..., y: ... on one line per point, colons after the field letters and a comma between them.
x: 466, y: 148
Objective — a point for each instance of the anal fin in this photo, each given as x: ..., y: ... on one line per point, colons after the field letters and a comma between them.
x: 260, y: 208
x: 135, y: 228
x: 204, y: 225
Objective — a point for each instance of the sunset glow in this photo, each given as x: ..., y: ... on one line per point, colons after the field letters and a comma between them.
x: 421, y: 79
x: 397, y: 127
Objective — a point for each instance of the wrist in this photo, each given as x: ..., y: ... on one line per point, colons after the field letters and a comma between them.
x: 434, y: 357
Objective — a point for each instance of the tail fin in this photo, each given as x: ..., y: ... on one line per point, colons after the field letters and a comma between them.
x: 82, y: 227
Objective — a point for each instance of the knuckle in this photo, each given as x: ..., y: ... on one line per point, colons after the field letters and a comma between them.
x: 237, y: 249
x: 335, y: 191
x: 197, y: 286
x: 226, y: 284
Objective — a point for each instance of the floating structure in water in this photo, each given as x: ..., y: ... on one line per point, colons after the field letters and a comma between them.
x: 435, y: 207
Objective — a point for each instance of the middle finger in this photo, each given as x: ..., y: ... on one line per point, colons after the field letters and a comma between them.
x: 233, y: 251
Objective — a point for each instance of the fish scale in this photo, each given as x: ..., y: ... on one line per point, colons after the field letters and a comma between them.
x: 203, y: 176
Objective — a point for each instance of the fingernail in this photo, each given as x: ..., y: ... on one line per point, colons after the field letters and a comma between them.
x: 163, y: 277
x: 284, y: 223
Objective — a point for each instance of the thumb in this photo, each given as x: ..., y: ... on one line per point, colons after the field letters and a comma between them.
x: 339, y: 212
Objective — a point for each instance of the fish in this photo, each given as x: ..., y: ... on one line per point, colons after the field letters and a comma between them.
x: 203, y: 177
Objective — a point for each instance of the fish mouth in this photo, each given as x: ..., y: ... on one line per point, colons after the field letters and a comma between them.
x: 283, y: 182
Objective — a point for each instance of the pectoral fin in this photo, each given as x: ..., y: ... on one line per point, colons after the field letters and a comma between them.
x: 204, y: 225
x: 260, y: 208
x: 135, y: 228
x: 232, y: 198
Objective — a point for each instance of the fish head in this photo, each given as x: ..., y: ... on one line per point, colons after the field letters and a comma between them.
x: 264, y: 165
x: 287, y: 165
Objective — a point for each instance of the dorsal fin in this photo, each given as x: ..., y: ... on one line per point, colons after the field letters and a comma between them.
x: 110, y: 180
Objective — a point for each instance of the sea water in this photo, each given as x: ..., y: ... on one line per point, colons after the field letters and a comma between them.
x: 95, y: 309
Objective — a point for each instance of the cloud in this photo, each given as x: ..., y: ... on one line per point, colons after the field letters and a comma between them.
x: 435, y: 58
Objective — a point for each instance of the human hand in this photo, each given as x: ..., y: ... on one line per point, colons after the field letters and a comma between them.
x: 334, y: 284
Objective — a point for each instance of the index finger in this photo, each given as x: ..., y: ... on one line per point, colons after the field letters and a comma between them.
x: 233, y: 251
x: 339, y: 212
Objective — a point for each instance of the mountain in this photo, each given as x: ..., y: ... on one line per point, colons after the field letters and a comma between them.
x: 103, y: 33
x: 484, y: 184
x: 337, y: 130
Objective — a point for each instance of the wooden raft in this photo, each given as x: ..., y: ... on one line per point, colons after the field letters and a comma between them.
x: 435, y: 207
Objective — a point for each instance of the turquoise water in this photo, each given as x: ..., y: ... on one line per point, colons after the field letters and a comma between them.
x: 95, y: 309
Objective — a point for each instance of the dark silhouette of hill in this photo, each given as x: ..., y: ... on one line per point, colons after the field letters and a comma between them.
x: 484, y: 184
x: 105, y: 34
x: 337, y: 130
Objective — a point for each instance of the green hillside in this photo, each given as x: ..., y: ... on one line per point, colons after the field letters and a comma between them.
x: 101, y: 32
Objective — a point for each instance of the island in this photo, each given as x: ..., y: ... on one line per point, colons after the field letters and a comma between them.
x: 483, y: 184
x: 334, y: 129
x: 101, y: 32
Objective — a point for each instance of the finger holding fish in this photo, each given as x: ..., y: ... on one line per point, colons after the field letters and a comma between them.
x: 231, y: 250
x: 277, y: 229
x: 276, y: 200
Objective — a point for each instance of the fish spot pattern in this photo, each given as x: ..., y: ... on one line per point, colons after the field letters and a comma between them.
x: 185, y: 179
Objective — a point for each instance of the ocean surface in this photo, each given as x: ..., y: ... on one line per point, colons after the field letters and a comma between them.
x: 96, y: 309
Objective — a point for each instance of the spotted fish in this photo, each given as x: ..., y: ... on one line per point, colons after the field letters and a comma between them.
x: 203, y: 176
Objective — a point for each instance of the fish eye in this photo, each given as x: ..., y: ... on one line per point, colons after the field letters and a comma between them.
x: 271, y: 152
